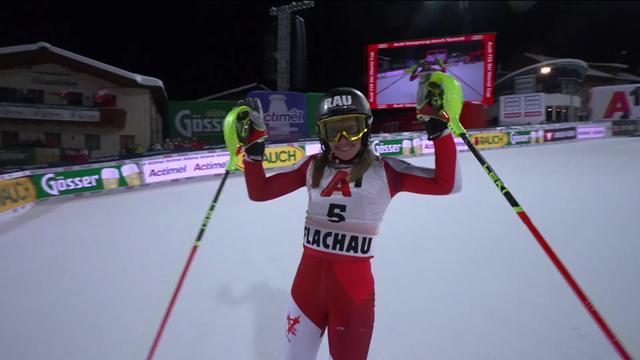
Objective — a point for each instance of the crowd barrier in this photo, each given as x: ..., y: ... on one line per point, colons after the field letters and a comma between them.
x: 20, y: 190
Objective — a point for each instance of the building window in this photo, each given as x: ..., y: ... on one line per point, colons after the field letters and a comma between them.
x: 92, y: 141
x: 74, y: 98
x: 9, y: 138
x: 8, y: 94
x: 32, y: 96
x: 21, y: 96
x: 52, y: 140
x: 549, y: 114
x: 127, y: 143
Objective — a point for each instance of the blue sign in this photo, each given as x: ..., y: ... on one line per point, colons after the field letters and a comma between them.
x: 283, y: 114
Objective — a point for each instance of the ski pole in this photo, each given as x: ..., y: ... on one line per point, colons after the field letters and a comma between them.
x: 233, y: 147
x: 192, y: 254
x: 590, y: 307
x: 448, y: 99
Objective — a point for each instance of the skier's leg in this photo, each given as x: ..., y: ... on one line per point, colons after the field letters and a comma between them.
x: 302, y: 336
x: 307, y: 315
x: 351, y: 315
x: 350, y: 335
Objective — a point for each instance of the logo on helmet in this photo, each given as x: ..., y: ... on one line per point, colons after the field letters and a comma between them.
x: 339, y: 100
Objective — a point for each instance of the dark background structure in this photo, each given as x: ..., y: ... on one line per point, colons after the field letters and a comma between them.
x: 202, y: 48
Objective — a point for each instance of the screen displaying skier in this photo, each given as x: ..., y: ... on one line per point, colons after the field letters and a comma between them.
x: 394, y: 68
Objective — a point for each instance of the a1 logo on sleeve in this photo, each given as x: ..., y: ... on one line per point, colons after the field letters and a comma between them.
x: 338, y: 183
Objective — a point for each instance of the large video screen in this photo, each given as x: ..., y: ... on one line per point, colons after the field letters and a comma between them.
x: 394, y: 68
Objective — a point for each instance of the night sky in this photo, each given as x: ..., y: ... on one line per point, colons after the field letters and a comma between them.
x: 204, y: 48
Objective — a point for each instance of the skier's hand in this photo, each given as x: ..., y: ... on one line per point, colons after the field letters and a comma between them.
x: 440, y: 96
x: 251, y: 127
x: 252, y: 131
x: 435, y: 128
x: 411, y: 69
x: 430, y: 110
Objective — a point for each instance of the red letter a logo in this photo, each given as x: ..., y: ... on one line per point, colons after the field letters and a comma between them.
x: 338, y: 183
x: 618, y: 103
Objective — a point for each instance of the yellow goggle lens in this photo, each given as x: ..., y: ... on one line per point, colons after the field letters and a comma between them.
x: 352, y: 127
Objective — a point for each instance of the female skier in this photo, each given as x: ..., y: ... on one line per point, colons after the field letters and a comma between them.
x: 349, y: 190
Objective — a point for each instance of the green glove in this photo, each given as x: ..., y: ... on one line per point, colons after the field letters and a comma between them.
x: 230, y: 131
x: 443, y: 94
x: 411, y: 69
x: 252, y: 131
x: 251, y: 126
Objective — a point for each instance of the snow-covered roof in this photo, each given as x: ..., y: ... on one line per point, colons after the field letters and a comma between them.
x: 593, y: 72
x: 573, y: 63
x: 627, y: 76
x: 141, y: 80
x: 622, y: 66
x: 540, y: 58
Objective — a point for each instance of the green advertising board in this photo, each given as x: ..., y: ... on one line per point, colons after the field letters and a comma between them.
x: 394, y: 147
x: 17, y: 157
x: 201, y: 120
x: 86, y: 180
x: 311, y: 105
x: 28, y: 156
x: 525, y: 137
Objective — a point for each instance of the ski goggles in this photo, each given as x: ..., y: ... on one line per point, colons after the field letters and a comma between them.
x: 352, y: 127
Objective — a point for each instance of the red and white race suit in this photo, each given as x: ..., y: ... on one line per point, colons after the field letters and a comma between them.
x: 333, y: 288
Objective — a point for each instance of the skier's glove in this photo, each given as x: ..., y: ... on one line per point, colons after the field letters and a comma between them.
x: 430, y: 109
x: 252, y: 131
x: 435, y: 128
x: 440, y: 97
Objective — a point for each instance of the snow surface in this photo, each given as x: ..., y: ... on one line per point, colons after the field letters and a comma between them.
x: 457, y: 277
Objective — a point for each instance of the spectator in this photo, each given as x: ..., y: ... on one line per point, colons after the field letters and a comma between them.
x: 196, y: 144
